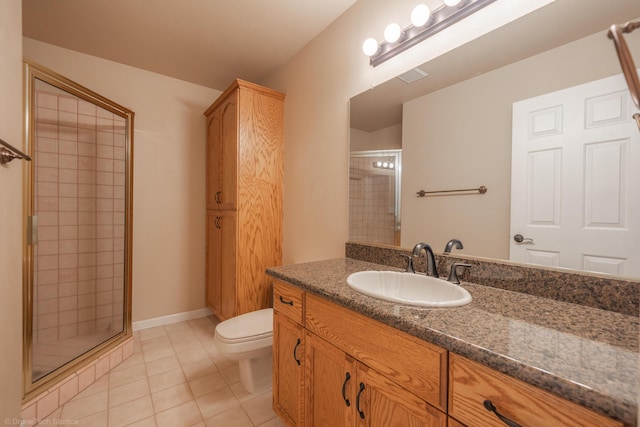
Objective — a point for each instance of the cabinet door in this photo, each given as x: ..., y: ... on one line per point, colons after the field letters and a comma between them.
x: 330, y: 384
x: 214, y: 242
x: 382, y: 403
x: 288, y: 370
x: 222, y: 158
x: 221, y: 259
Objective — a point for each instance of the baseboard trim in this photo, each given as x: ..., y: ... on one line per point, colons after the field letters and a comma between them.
x: 171, y: 318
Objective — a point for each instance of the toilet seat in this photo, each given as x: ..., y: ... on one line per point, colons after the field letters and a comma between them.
x: 245, y: 336
x: 247, y: 327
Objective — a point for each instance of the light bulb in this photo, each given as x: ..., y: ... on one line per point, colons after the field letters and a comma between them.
x: 378, y: 164
x: 370, y: 46
x: 452, y: 2
x: 420, y: 15
x: 385, y: 164
x: 390, y: 165
x: 392, y: 33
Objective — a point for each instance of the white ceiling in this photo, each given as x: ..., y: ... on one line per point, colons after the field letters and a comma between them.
x: 208, y: 42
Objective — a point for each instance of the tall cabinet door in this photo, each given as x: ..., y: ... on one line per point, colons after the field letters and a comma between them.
x: 221, y: 259
x: 330, y: 387
x: 222, y: 156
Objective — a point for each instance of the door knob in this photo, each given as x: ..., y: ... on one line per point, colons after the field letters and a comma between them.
x: 519, y: 238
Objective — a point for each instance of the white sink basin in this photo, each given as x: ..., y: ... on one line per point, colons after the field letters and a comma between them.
x: 409, y: 288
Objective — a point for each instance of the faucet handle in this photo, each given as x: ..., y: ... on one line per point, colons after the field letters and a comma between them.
x: 409, y: 268
x: 453, y: 275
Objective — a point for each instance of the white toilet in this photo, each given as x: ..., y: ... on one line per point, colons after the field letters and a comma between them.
x: 248, y: 339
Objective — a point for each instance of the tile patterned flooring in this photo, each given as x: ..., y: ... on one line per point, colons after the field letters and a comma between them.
x: 176, y: 378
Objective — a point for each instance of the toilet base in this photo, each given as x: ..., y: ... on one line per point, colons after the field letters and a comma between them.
x: 256, y: 374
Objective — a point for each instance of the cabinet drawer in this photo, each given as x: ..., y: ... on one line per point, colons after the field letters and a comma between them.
x: 415, y: 365
x: 288, y: 300
x: 471, y: 383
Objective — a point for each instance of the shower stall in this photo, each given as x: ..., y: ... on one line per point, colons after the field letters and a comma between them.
x: 77, y: 229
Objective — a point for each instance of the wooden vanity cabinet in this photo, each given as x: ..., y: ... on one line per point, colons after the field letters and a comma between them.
x: 244, y: 197
x: 341, y: 391
x: 362, y: 372
x: 358, y: 371
x: 471, y: 384
x: 415, y: 365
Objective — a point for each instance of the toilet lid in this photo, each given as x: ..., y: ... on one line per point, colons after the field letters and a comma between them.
x: 254, y: 325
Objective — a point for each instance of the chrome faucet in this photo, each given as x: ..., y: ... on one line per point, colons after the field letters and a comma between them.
x: 432, y: 270
x: 450, y: 245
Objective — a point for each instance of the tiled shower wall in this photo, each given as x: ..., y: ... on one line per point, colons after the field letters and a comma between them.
x: 79, y: 192
x: 371, y: 203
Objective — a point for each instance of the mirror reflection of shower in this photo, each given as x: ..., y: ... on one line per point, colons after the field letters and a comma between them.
x: 374, y: 196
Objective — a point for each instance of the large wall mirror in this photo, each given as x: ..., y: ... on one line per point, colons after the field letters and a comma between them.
x: 77, y: 238
x: 452, y: 117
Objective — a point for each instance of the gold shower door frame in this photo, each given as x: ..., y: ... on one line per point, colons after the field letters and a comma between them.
x: 33, y: 72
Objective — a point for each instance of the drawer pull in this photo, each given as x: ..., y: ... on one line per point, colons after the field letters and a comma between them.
x: 295, y: 350
x: 218, y: 197
x: 358, y: 401
x: 344, y: 389
x: 285, y: 301
x: 491, y: 408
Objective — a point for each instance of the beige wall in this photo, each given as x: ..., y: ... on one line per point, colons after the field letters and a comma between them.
x: 460, y: 137
x: 389, y: 138
x: 318, y: 82
x: 10, y: 217
x: 169, y: 175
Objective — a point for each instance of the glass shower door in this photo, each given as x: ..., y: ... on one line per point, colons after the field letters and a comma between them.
x: 78, y: 235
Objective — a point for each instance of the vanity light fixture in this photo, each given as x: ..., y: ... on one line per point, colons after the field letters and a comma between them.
x: 424, y: 24
x: 383, y: 165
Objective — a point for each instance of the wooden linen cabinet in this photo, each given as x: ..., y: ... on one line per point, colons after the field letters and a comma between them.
x: 244, y: 197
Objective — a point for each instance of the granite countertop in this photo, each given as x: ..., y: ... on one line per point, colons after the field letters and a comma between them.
x: 586, y: 355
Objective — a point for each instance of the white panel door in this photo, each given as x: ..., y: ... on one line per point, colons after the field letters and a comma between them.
x: 575, y: 179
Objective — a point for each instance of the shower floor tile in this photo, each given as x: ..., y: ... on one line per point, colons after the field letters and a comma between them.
x: 176, y: 378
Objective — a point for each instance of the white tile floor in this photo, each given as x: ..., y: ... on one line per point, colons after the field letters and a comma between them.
x: 175, y: 378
